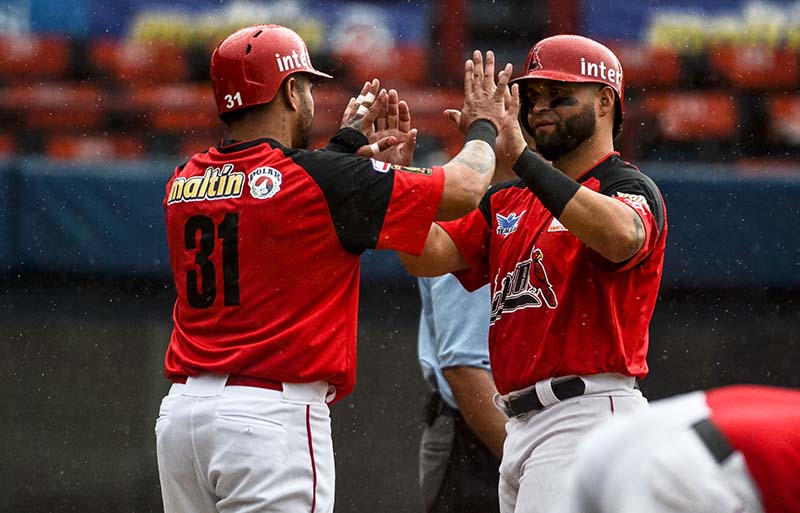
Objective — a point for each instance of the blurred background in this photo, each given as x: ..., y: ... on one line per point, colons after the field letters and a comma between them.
x: 100, y: 100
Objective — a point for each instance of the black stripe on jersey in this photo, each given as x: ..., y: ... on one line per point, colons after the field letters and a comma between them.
x: 357, y: 194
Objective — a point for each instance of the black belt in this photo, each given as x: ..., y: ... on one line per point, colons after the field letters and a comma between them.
x: 523, y: 403
x: 713, y: 439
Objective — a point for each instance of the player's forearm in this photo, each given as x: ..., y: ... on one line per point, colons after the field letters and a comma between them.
x: 439, y: 256
x: 468, y: 175
x: 473, y: 389
x: 606, y: 225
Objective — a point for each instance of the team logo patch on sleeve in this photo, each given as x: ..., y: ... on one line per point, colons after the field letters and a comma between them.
x: 408, y: 169
x: 380, y: 166
x: 634, y: 200
x: 265, y: 182
x: 506, y: 225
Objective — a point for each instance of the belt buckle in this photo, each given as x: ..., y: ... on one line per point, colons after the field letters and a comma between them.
x: 510, y: 412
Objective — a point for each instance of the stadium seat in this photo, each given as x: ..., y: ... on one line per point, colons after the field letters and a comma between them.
x: 134, y: 63
x: 60, y: 106
x: 647, y: 66
x: 28, y: 57
x: 174, y: 107
x: 404, y: 66
x: 784, y: 118
x: 685, y: 116
x: 8, y: 144
x: 93, y: 147
x: 756, y: 67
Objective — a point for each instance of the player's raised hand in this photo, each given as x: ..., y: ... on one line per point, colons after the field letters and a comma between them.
x: 394, y: 140
x: 361, y: 112
x: 510, y: 139
x: 483, y: 98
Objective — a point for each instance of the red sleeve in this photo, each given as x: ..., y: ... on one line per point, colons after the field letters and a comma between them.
x: 649, y: 222
x: 471, y: 235
x: 415, y: 199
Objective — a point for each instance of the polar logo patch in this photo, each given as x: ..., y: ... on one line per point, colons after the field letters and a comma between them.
x: 265, y: 182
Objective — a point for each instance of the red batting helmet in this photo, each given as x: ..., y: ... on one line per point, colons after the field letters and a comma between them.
x: 571, y: 58
x: 249, y: 66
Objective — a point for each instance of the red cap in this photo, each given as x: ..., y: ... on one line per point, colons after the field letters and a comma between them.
x: 249, y: 66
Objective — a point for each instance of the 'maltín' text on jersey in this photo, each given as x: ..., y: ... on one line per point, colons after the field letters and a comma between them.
x: 215, y: 183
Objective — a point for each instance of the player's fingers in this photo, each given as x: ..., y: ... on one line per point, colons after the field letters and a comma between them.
x: 512, y: 106
x: 453, y: 115
x: 477, y: 72
x: 404, y: 115
x: 350, y: 110
x: 469, y: 78
x: 502, y: 80
x: 378, y: 109
x: 411, y: 143
x: 488, y: 72
x: 392, y: 110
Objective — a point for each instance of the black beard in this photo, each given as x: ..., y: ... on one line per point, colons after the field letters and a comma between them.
x: 567, y: 135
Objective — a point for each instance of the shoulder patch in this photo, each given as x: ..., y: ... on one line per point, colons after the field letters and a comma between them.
x: 265, y: 182
x: 380, y: 166
x: 634, y: 200
x: 408, y: 169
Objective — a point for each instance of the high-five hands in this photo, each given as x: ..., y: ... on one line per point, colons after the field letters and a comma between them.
x: 385, y: 120
x: 483, y: 99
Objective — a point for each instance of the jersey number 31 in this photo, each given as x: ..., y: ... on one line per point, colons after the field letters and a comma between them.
x: 201, y: 288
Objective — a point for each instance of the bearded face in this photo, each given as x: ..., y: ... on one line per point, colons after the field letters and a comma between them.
x: 566, y: 134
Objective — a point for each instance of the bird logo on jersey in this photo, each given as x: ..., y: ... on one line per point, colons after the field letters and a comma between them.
x: 507, y: 225
x: 265, y: 182
x: 527, y: 286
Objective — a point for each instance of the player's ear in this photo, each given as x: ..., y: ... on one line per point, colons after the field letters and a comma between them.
x: 606, y: 101
x: 291, y: 92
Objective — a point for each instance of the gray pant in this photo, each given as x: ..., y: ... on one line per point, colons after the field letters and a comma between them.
x: 457, y: 472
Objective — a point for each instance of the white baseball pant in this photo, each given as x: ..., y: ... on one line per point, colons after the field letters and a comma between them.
x: 226, y: 449
x: 540, y: 447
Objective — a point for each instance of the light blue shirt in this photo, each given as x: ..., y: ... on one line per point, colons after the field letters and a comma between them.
x: 453, y: 330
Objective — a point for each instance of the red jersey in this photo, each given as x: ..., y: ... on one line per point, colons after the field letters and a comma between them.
x: 559, y: 308
x: 764, y: 424
x: 264, y: 246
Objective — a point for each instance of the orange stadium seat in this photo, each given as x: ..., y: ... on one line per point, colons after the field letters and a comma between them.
x: 93, y: 147
x: 135, y: 62
x: 33, y: 57
x: 646, y: 66
x: 174, y: 107
x: 8, y: 144
x: 686, y: 116
x: 62, y: 106
x: 405, y: 65
x: 784, y: 118
x: 756, y: 67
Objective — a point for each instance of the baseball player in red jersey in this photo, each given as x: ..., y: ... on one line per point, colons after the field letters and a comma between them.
x: 264, y: 240
x: 733, y: 449
x: 573, y: 251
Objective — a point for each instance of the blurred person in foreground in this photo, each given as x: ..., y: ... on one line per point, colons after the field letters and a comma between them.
x: 265, y: 238
x: 573, y: 251
x: 733, y: 449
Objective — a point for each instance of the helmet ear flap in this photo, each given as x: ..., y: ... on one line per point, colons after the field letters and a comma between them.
x: 524, y: 109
